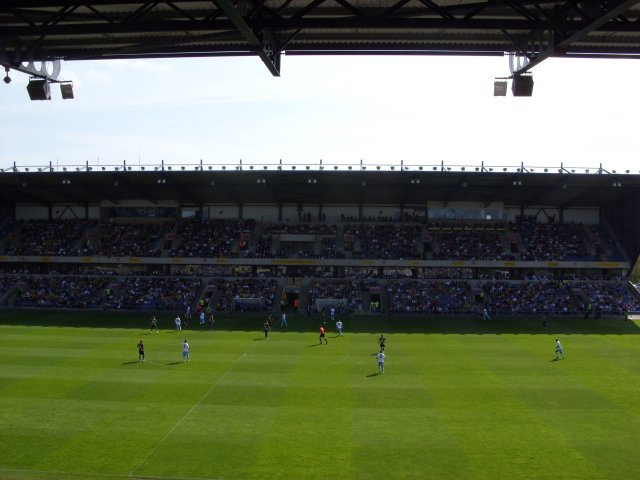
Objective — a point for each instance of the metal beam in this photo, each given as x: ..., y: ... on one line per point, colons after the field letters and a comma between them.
x: 265, y: 46
x: 615, y: 9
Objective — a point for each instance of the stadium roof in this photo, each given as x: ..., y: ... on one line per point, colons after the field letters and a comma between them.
x: 37, y: 30
x: 367, y: 187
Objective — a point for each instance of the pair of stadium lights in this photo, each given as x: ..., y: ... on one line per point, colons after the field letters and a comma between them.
x: 521, y: 86
x: 38, y: 89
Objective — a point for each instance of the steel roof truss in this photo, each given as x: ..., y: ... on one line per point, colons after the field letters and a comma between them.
x: 561, y: 41
x: 265, y: 45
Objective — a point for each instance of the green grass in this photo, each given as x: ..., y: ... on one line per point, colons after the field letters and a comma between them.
x: 460, y: 399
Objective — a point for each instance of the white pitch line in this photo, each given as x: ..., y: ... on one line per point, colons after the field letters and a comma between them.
x: 179, y: 422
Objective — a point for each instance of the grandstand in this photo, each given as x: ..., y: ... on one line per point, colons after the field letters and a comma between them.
x: 245, y: 244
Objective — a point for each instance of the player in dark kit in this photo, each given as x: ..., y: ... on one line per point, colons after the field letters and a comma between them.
x: 266, y: 327
x: 141, y: 351
x: 154, y: 325
x: 381, y: 342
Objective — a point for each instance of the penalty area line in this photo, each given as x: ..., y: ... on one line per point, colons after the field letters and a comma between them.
x: 179, y: 422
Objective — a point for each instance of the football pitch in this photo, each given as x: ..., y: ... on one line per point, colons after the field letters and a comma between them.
x: 460, y: 399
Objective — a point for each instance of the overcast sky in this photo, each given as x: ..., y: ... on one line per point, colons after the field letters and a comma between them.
x: 381, y: 110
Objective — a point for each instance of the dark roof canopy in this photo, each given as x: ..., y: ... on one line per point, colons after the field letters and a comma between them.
x: 36, y: 30
x: 318, y: 187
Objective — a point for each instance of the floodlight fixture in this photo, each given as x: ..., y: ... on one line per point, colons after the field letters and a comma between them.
x: 38, y: 89
x: 7, y: 78
x: 66, y: 90
x: 499, y: 88
x: 522, y: 86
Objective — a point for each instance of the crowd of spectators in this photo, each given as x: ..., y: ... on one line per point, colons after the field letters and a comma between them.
x: 530, y: 240
x: 428, y: 297
x: 444, y: 272
x: 348, y: 290
x: 470, y: 245
x: 243, y: 294
x: 7, y: 282
x: 529, y: 297
x: 210, y: 238
x: 609, y: 298
x: 386, y: 241
x: 48, y: 237
x: 299, y: 228
x: 552, y: 241
x: 263, y: 247
x: 153, y: 293
x: 61, y: 292
x: 329, y: 249
x: 128, y: 239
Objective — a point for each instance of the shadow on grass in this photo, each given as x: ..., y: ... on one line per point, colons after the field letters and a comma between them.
x: 131, y: 363
x: 373, y: 324
x: 175, y: 363
x: 374, y: 374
